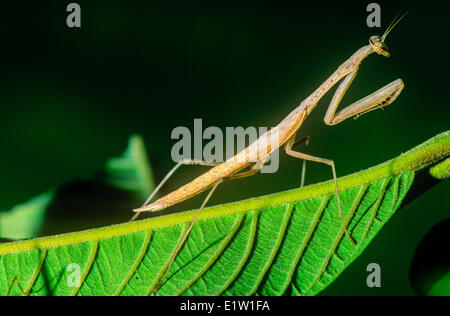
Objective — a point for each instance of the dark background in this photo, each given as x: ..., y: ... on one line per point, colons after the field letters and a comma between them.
x: 70, y: 98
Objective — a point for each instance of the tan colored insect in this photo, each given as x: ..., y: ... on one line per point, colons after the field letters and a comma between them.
x: 254, y: 156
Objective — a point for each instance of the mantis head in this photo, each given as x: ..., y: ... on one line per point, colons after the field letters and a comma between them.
x: 377, y: 42
x: 379, y: 46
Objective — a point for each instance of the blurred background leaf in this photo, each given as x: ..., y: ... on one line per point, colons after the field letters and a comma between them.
x: 25, y: 220
x: 124, y: 183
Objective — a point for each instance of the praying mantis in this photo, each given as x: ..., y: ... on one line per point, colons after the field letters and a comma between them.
x: 251, y: 159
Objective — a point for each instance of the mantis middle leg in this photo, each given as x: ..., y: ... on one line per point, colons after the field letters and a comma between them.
x: 296, y: 154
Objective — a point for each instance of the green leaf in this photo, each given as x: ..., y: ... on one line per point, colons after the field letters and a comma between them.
x: 286, y: 243
x: 25, y: 220
x: 129, y: 173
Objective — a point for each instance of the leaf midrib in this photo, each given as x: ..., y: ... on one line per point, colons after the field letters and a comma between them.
x: 421, y: 156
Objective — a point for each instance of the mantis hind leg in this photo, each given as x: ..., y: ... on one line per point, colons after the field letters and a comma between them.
x: 253, y: 170
x: 296, y: 154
